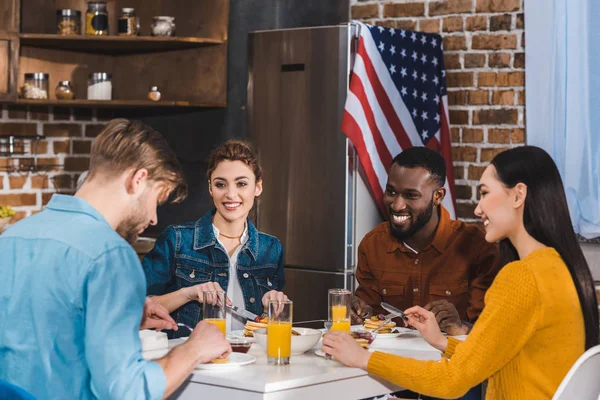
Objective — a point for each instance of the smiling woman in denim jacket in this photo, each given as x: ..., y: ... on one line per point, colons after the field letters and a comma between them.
x: 223, y: 249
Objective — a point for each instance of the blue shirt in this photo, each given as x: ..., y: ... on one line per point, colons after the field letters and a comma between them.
x: 71, y: 298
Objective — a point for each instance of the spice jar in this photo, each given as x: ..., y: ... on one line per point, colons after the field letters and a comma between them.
x: 64, y: 91
x: 68, y: 22
x: 35, y: 86
x: 96, y: 19
x: 163, y: 26
x: 154, y: 93
x: 128, y: 23
x: 99, y: 86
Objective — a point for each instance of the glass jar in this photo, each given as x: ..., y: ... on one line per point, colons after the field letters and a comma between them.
x: 64, y: 91
x: 35, y: 86
x: 99, y: 86
x: 96, y: 19
x: 128, y: 23
x: 163, y: 26
x: 68, y: 22
x: 154, y: 94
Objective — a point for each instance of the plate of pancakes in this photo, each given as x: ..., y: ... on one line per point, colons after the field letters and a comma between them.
x: 233, y: 360
x: 387, y: 332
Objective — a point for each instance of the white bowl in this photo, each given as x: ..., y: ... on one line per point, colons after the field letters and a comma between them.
x: 300, y: 344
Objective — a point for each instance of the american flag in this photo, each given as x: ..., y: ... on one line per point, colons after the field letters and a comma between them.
x: 397, y: 99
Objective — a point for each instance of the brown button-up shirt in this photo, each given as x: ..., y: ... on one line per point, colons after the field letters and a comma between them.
x: 458, y: 266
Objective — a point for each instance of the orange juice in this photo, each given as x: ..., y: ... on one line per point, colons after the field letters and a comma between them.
x: 338, y: 313
x: 220, y: 323
x: 341, y: 325
x: 279, y: 339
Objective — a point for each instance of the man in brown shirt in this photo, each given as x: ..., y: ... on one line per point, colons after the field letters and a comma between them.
x: 421, y: 256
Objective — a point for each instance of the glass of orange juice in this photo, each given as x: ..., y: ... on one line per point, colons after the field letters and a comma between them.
x: 339, y: 309
x: 279, y: 332
x: 213, y: 308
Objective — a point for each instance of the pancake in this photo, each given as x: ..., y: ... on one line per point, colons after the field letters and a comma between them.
x: 251, y: 326
x: 371, y: 325
x: 219, y: 361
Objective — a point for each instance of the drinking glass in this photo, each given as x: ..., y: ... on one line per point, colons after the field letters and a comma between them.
x: 340, y: 302
x: 279, y: 332
x: 213, y: 308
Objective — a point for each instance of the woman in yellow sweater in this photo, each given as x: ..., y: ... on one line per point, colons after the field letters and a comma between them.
x: 540, y: 313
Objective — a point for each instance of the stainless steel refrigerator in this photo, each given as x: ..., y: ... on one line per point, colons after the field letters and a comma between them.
x: 314, y: 200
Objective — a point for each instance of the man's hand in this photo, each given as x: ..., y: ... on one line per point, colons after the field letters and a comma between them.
x: 428, y: 327
x: 447, y: 317
x: 360, y: 310
x: 209, y: 342
x: 345, y: 349
x: 156, y: 317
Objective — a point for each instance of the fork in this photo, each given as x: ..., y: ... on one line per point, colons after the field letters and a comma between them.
x: 384, y: 323
x: 185, y: 326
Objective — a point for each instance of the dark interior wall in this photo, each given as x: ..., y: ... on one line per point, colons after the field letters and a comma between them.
x: 192, y: 134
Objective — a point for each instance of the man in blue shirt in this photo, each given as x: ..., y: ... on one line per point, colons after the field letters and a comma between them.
x: 72, y: 289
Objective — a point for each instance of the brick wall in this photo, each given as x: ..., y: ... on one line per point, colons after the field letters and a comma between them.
x: 484, y: 46
x: 69, y: 134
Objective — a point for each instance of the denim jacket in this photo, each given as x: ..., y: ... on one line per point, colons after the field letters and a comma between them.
x: 189, y: 254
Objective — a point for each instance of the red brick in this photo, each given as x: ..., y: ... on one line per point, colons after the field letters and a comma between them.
x: 480, y: 97
x: 18, y: 216
x: 1, y: 182
x: 459, y: 117
x: 476, y: 23
x: 455, y: 43
x: 54, y: 130
x: 500, y: 22
x: 365, y: 11
x: 77, y: 164
x: 511, y: 78
x: 463, y: 192
x: 457, y: 97
x: 486, y: 79
x: 62, y: 181
x: 520, y: 21
x: 495, y: 117
x: 38, y: 147
x: 464, y: 153
x: 47, y: 163
x: 471, y: 135
x: 429, y: 25
x: 517, y: 135
x: 498, y: 135
x: 407, y: 24
x: 17, y: 182
x: 93, y: 130
x: 445, y: 7
x: 519, y: 61
x: 39, y: 182
x: 494, y: 42
x: 503, y: 97
x: 499, y: 60
x: 39, y: 113
x: 46, y: 198
x: 18, y: 129
x: 521, y: 98
x: 459, y: 172
x: 455, y: 135
x: 475, y: 172
x: 61, y: 147
x: 17, y: 112
x: 82, y: 147
x: 474, y: 60
x: 459, y: 79
x: 452, y: 61
x: 61, y: 113
x: 18, y: 199
x: 465, y: 210
x: 403, y: 10
x: 488, y: 154
x: 498, y: 5
x: 388, y: 23
x: 453, y: 24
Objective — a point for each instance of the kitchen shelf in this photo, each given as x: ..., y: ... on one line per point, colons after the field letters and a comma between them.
x: 115, y: 45
x: 113, y: 103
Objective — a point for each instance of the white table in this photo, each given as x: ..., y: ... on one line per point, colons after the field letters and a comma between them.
x: 307, y: 377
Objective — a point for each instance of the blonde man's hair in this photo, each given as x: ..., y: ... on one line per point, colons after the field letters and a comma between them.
x: 123, y: 145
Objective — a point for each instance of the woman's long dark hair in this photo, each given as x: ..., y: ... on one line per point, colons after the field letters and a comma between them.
x: 546, y: 219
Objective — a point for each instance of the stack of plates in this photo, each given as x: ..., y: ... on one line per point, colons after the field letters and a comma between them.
x: 154, y: 344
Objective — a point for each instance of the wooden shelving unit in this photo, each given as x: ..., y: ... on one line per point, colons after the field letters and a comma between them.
x: 190, y: 69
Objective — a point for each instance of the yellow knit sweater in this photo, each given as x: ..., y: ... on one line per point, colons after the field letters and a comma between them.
x: 529, y: 334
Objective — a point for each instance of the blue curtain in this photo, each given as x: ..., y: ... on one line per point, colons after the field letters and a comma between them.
x: 562, y: 57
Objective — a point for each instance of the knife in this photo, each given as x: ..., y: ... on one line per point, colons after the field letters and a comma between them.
x: 242, y: 313
x: 391, y: 309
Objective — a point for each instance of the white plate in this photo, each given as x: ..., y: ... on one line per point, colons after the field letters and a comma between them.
x: 237, y: 333
x: 320, y: 353
x: 235, y: 360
